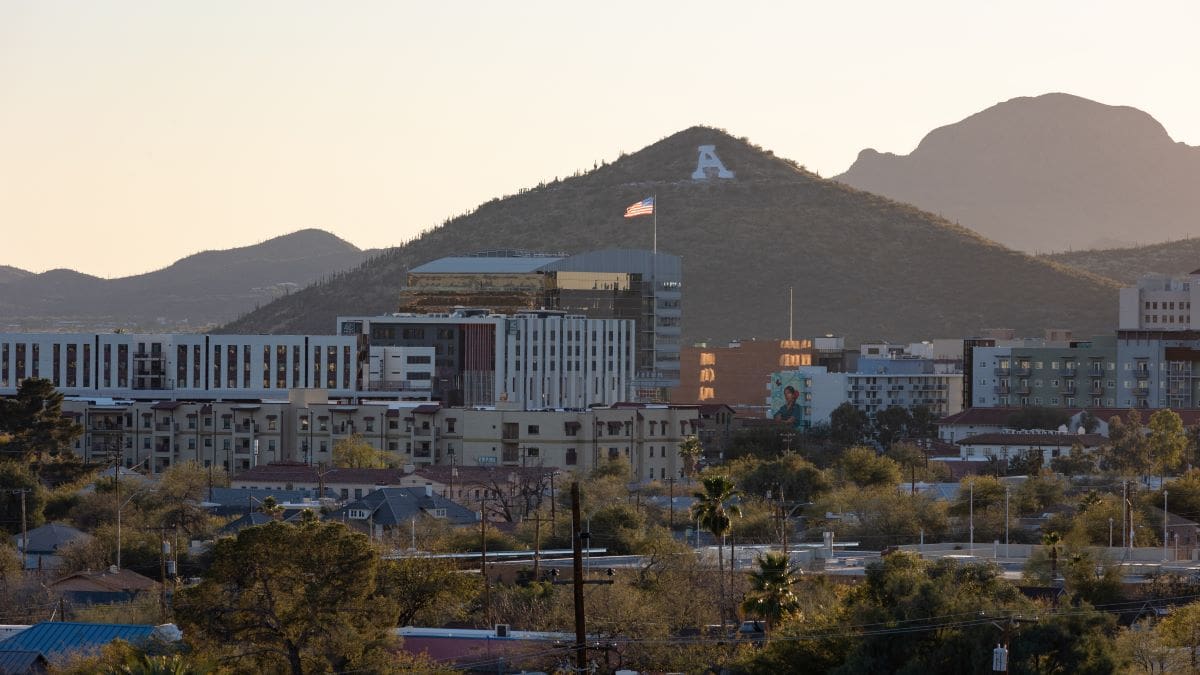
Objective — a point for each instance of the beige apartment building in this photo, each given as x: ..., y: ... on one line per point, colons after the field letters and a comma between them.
x: 239, y: 435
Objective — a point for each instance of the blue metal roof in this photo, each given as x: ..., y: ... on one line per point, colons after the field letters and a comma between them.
x: 17, y: 661
x: 56, y: 638
x: 486, y: 265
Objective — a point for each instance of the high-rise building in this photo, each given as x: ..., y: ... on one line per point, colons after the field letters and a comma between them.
x: 641, y: 286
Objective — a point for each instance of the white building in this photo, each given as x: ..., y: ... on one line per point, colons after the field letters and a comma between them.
x: 192, y: 366
x: 1009, y: 444
x: 1160, y: 302
x: 540, y: 359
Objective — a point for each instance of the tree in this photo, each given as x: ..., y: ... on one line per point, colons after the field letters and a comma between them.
x: 771, y: 595
x: 714, y: 510
x: 891, y: 424
x: 790, y: 475
x: 910, y: 458
x: 1076, y: 463
x: 1127, y: 450
x: 16, y: 477
x: 1167, y: 441
x: 988, y: 507
x: 1080, y: 641
x: 690, y: 451
x: 353, y: 452
x: 1181, y: 630
x: 180, y: 490
x: 848, y: 425
x: 863, y: 467
x: 35, y: 425
x: 922, y: 423
x: 432, y: 589
x: 283, y: 598
x: 905, y: 590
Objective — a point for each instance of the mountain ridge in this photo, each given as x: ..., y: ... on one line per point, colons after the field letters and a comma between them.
x: 1046, y: 173
x: 773, y: 215
x: 197, y: 291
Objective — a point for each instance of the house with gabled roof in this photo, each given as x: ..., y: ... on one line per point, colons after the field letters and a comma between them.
x: 389, y: 509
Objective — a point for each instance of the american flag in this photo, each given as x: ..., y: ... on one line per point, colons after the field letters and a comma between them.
x: 642, y: 208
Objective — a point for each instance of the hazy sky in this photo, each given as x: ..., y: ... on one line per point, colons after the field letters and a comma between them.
x: 132, y: 134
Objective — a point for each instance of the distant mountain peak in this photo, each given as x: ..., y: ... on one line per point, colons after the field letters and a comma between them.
x: 1045, y: 173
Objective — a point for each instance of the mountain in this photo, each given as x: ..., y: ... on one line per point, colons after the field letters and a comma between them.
x: 861, y: 265
x: 196, y: 292
x: 8, y: 273
x: 1126, y: 265
x: 1048, y: 173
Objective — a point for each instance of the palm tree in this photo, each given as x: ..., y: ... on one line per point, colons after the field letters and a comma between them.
x: 714, y: 512
x: 271, y: 507
x: 771, y: 595
x: 1051, y: 541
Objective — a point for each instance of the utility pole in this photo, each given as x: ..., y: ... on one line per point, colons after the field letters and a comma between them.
x: 577, y: 569
x: 537, y: 519
x: 24, y: 522
x: 671, y: 483
x: 24, y: 531
x: 487, y: 598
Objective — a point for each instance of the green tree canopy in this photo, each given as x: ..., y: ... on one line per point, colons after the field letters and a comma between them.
x: 794, y: 476
x: 891, y: 425
x: 848, y: 425
x: 863, y: 467
x: 34, y: 423
x: 298, y: 599
x: 1167, y: 441
x: 14, y: 478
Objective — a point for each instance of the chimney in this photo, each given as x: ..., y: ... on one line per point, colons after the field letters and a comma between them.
x: 428, y: 490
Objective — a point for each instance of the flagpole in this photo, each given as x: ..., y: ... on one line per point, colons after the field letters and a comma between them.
x: 655, y: 223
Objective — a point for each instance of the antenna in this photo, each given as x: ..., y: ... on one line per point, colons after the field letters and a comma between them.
x: 791, y: 307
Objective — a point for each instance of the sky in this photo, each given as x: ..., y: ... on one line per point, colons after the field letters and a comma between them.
x: 135, y: 133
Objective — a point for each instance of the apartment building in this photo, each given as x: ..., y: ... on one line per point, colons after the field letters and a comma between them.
x: 1160, y: 302
x: 1080, y: 373
x: 190, y: 366
x: 240, y: 435
x: 878, y: 384
x: 537, y: 359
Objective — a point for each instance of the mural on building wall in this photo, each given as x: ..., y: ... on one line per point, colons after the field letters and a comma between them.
x: 786, y: 399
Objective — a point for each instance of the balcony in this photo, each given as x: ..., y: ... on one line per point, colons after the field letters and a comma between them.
x: 1003, y: 372
x: 1022, y: 390
x: 166, y: 426
x: 1097, y: 389
x: 1003, y: 389
x: 1069, y: 370
x: 1141, y: 391
x: 1068, y: 387
x: 1022, y: 371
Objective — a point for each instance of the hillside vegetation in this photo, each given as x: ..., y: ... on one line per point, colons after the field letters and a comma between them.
x: 861, y: 265
x: 1126, y: 265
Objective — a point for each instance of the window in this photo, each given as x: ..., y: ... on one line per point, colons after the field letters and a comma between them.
x: 533, y: 430
x: 571, y: 457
